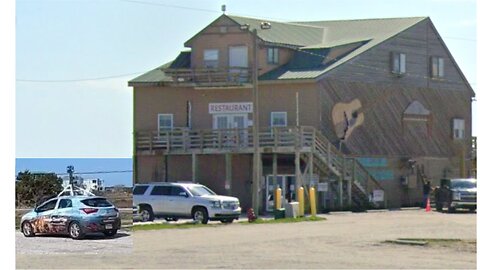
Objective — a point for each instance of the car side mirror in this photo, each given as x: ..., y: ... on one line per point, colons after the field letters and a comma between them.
x: 184, y: 194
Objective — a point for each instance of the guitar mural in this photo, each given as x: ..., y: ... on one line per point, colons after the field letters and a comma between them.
x: 346, y: 117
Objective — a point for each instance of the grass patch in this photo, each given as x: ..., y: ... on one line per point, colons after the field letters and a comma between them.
x: 284, y: 220
x: 161, y: 226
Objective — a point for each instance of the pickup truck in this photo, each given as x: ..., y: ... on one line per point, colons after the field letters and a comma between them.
x: 456, y: 193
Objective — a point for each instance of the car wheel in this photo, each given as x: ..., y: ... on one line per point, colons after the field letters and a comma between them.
x: 146, y: 213
x: 27, y: 229
x: 200, y: 215
x: 227, y: 220
x: 438, y: 207
x: 451, y: 209
x: 75, y: 230
x: 110, y: 233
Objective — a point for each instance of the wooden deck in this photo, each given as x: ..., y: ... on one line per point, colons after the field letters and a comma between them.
x: 305, y: 141
x: 210, y: 77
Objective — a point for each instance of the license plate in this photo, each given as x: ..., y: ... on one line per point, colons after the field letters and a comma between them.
x: 108, y: 226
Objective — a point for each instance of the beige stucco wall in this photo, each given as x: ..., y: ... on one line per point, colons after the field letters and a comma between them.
x: 150, y: 101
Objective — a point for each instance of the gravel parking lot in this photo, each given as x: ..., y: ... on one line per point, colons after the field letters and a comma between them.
x: 344, y: 240
x: 92, y: 244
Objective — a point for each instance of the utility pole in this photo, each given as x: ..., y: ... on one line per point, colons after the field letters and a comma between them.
x: 255, y: 126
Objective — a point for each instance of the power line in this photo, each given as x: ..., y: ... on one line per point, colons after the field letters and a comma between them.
x: 171, y: 6
x: 80, y: 80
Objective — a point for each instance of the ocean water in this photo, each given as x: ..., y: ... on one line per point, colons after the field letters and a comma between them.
x: 114, y: 171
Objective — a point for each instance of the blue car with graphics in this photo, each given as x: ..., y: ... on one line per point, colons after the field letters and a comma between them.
x: 75, y: 216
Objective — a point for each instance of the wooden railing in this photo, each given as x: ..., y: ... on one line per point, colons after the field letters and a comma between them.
x: 211, y: 139
x: 349, y: 166
x: 211, y: 76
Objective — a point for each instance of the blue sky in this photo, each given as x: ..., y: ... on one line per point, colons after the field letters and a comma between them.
x: 76, y: 40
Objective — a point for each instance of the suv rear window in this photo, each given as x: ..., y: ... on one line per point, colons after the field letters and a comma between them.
x: 139, y: 190
x: 97, y: 202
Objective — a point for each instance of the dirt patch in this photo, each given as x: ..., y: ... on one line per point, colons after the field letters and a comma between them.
x: 460, y: 245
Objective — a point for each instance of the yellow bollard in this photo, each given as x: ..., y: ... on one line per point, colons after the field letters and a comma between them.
x: 313, y: 202
x: 301, y: 202
x: 278, y: 198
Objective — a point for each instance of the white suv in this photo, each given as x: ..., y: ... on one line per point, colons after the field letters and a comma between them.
x: 183, y: 200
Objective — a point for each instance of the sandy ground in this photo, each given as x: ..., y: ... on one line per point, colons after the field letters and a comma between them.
x: 59, y: 244
x: 345, y: 240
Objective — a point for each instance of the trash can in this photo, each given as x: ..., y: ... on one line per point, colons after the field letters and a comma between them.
x: 279, y: 213
x: 291, y: 210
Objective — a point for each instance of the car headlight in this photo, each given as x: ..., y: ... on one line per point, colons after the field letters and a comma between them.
x: 456, y: 196
x: 216, y: 204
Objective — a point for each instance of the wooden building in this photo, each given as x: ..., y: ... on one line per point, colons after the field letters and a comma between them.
x: 363, y: 110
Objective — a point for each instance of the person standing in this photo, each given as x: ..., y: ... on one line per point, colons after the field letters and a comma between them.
x: 426, y: 192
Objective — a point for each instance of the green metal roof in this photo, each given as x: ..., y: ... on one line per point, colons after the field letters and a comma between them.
x: 154, y: 76
x: 303, y: 37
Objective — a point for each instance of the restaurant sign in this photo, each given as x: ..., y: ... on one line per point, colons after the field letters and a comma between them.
x: 235, y: 107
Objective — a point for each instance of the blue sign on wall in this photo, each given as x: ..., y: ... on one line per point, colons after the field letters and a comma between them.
x: 377, y: 167
x: 373, y: 162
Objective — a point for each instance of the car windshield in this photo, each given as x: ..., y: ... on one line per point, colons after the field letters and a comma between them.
x: 200, y: 191
x: 464, y: 184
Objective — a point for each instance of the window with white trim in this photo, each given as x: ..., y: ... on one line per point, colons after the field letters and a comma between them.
x: 165, y: 121
x: 437, y: 65
x: 278, y: 119
x: 272, y: 55
x: 399, y: 63
x: 210, y: 58
x: 458, y: 128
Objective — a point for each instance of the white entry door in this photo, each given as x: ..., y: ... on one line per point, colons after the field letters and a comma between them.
x: 229, y: 121
x: 238, y: 62
x: 231, y: 137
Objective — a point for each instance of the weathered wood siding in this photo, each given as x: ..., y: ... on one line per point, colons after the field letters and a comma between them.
x: 419, y: 43
x: 382, y: 132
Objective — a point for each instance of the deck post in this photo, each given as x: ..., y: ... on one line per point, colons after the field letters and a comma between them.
x: 274, y: 171
x: 228, y: 173
x: 298, y: 173
x: 194, y: 168
x: 310, y: 167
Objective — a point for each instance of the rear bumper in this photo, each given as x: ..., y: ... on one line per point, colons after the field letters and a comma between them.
x: 101, y: 224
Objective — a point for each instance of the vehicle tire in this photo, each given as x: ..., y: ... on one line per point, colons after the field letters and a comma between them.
x: 227, y: 220
x: 27, y: 229
x: 110, y: 233
x: 473, y: 209
x: 200, y: 214
x: 75, y: 230
x: 146, y: 213
x: 451, y: 209
x: 438, y: 207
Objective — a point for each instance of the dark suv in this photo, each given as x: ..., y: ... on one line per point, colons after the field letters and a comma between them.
x: 456, y: 193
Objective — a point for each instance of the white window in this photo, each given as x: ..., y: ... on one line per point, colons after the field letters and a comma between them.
x: 399, y: 63
x: 210, y: 58
x: 165, y: 122
x: 458, y: 128
x: 272, y: 55
x: 278, y: 119
x: 437, y: 67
